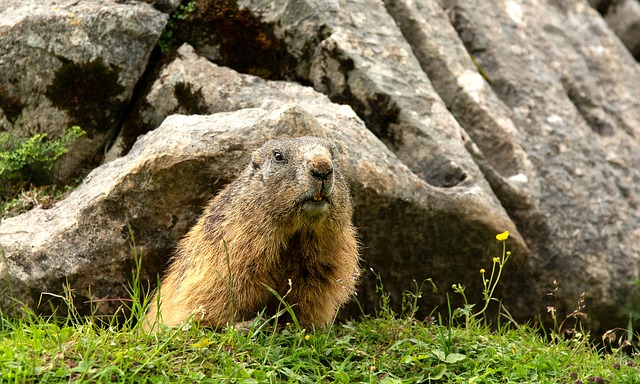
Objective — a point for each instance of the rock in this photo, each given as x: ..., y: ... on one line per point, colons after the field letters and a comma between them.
x: 180, y: 89
x: 337, y: 49
x: 568, y: 85
x: 339, y: 52
x: 624, y: 18
x: 165, y: 180
x: 72, y: 63
x: 166, y: 6
x: 472, y: 102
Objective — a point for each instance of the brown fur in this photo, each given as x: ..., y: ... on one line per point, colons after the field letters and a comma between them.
x: 266, y: 229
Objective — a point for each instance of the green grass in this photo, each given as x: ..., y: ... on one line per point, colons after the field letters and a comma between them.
x: 380, y: 349
x: 387, y: 348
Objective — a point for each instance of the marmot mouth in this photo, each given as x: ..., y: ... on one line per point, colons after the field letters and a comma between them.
x: 315, y: 199
x: 319, y: 197
x: 316, y: 203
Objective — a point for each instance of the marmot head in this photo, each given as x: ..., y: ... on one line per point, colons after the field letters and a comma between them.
x: 300, y: 177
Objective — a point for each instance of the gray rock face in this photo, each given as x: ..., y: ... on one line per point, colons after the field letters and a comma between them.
x: 340, y: 52
x: 180, y: 89
x: 578, y: 125
x: 70, y: 63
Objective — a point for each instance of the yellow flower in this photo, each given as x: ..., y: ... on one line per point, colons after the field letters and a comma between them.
x: 482, y: 271
x: 202, y: 343
x: 496, y: 259
x: 502, y: 236
x: 307, y: 337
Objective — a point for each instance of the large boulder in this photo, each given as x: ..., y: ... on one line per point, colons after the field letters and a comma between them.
x: 180, y: 88
x: 570, y: 87
x: 71, y: 63
x: 159, y: 188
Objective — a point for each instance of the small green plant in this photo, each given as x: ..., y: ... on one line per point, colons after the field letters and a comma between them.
x: 138, y: 292
x: 489, y: 284
x: 410, y: 299
x: 167, y: 38
x: 184, y: 10
x: 24, y: 162
x: 385, y: 300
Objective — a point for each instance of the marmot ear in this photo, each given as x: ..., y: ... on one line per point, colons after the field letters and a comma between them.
x: 256, y: 159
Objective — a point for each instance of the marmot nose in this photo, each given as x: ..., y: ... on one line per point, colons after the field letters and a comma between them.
x: 321, y: 168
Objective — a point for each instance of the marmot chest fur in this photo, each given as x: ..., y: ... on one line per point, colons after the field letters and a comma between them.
x: 284, y: 223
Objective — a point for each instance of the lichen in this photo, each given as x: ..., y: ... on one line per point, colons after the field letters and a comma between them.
x: 89, y: 92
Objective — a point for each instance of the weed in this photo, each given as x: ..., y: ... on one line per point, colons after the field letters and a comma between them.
x: 619, y: 339
x: 560, y: 330
x: 26, y: 166
x: 167, y: 38
x: 385, y: 301
x: 230, y: 283
x: 139, y: 294
x: 489, y: 284
x: 31, y: 161
x: 410, y: 299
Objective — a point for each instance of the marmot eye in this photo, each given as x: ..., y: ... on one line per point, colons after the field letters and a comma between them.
x: 278, y: 156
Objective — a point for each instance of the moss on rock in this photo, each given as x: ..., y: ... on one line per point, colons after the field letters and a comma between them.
x: 89, y: 92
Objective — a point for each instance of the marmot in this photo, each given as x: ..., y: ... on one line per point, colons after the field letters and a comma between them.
x: 284, y: 223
